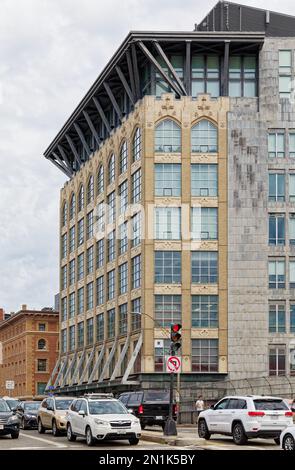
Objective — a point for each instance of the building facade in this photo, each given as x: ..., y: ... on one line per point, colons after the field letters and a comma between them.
x: 180, y: 208
x: 29, y: 344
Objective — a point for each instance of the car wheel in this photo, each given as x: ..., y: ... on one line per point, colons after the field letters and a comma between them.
x: 89, y: 438
x: 133, y: 441
x: 239, y: 435
x: 41, y: 429
x: 277, y: 441
x: 203, y: 430
x: 71, y: 437
x: 55, y: 430
x: 289, y: 442
x: 15, y: 435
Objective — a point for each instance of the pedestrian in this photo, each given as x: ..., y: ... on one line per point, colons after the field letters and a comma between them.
x: 199, y: 405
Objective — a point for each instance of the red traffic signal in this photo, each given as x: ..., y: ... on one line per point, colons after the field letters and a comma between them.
x: 175, y: 332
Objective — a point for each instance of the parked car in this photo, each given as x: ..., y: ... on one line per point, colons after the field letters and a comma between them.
x: 287, y: 438
x: 52, y: 414
x: 27, y: 413
x: 9, y: 422
x: 150, y: 406
x: 100, y: 417
x: 13, y: 403
x: 244, y: 417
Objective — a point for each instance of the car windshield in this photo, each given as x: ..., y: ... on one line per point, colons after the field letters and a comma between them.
x: 270, y: 404
x: 31, y: 406
x: 4, y: 408
x: 12, y: 403
x: 63, y: 404
x: 157, y: 396
x: 106, y: 408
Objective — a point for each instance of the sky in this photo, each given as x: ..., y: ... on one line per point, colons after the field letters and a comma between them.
x: 51, y: 51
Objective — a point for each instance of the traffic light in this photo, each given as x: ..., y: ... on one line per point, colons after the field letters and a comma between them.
x: 175, y: 336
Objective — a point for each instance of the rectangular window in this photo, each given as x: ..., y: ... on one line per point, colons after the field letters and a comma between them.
x: 72, y: 238
x: 99, y: 253
x: 72, y: 306
x: 123, y: 194
x: 277, y: 318
x: 111, y: 285
x: 276, y: 229
x: 277, y: 360
x: 90, y: 259
x: 72, y: 272
x: 136, y: 272
x: 292, y: 187
x: 80, y: 266
x: 89, y: 225
x: 205, y: 355
x: 100, y: 327
x: 276, y: 187
x: 72, y: 337
x: 123, y: 319
x: 203, y: 180
x: 167, y: 223
x: 41, y: 387
x: 161, y: 85
x: 123, y: 278
x: 292, y: 273
x: 111, y: 243
x: 80, y: 334
x: 285, y: 69
x: 63, y: 340
x: 204, y: 223
x: 89, y: 296
x: 292, y: 318
x: 111, y: 207
x: 167, y: 310
x: 89, y: 328
x: 204, y: 267
x: 64, y: 276
x: 276, y: 144
x: 204, y: 311
x: 64, y: 315
x: 162, y: 350
x: 205, y: 75
x: 167, y: 179
x: 80, y: 232
x: 80, y: 300
x: 100, y: 290
x: 123, y: 238
x: 101, y: 215
x: 167, y: 267
x: 276, y: 274
x: 42, y: 365
x: 292, y: 144
x: 242, y: 76
x: 111, y: 323
x: 64, y: 245
x: 136, y: 187
x: 136, y: 229
x: 136, y: 314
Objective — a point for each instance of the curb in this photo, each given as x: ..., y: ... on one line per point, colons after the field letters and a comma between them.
x: 172, y: 441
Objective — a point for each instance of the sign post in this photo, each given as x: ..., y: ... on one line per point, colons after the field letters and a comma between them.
x: 9, y: 385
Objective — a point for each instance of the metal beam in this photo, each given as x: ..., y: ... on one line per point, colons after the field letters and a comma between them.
x: 65, y: 157
x: 102, y: 114
x: 130, y: 72
x: 59, y: 167
x: 135, y: 70
x: 73, y: 148
x: 87, y: 365
x: 225, y: 69
x: 69, y: 369
x: 68, y: 171
x: 122, y: 355
x: 132, y: 360
x: 125, y: 84
x: 82, y: 138
x: 170, y: 67
x: 159, y: 69
x: 91, y: 127
x: 188, y: 80
x: 50, y: 381
x: 75, y: 374
x: 97, y: 364
x: 113, y: 100
x: 107, y: 363
x: 57, y: 380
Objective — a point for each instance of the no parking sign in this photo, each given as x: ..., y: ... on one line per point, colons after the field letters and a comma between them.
x: 173, y: 364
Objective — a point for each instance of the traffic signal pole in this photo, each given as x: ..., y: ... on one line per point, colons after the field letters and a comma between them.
x: 170, y: 425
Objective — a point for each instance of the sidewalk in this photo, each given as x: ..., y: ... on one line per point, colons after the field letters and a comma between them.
x: 186, y: 436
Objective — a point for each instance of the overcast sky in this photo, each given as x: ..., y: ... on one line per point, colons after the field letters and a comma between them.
x: 51, y: 51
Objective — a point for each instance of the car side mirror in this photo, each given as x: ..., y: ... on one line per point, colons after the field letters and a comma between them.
x: 130, y: 410
x: 14, y: 409
x: 81, y: 413
x: 212, y: 407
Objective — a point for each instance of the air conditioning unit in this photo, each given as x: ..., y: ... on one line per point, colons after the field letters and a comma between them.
x: 159, y: 343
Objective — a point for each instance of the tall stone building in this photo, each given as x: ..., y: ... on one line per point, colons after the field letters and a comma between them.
x: 180, y: 207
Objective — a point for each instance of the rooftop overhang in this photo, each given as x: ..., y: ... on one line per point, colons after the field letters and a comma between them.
x: 122, y: 74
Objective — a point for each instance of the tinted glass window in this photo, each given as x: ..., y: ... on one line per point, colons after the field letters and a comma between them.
x: 13, y: 403
x: 106, y: 408
x: 77, y: 406
x: 31, y: 406
x: 83, y: 407
x: 233, y: 404
x: 124, y: 399
x: 221, y: 405
x: 158, y: 396
x: 50, y: 404
x: 270, y: 405
x: 4, y: 407
x: 63, y: 404
x: 135, y: 399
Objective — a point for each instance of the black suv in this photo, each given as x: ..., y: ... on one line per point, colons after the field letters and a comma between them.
x: 150, y: 406
x: 9, y: 422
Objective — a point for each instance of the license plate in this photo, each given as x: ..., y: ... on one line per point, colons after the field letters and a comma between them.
x: 121, y: 432
x: 159, y: 417
x: 1, y: 426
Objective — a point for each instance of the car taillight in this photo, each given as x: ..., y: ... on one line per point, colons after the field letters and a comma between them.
x: 175, y: 409
x: 256, y: 413
x: 289, y: 413
x: 140, y: 409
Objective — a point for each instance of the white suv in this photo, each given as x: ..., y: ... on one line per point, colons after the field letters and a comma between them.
x: 244, y: 417
x: 101, y: 417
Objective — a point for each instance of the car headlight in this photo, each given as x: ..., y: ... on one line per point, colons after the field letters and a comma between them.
x: 101, y: 423
x: 31, y: 416
x: 135, y: 423
x: 13, y: 419
x: 60, y: 418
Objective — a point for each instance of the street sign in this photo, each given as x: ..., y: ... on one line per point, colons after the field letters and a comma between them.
x: 173, y: 364
x: 9, y: 384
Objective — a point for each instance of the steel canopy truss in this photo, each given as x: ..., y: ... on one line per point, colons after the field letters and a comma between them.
x: 120, y: 86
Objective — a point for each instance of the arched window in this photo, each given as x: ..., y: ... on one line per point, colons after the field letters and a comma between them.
x: 41, y: 344
x: 81, y: 198
x: 64, y: 214
x: 204, y: 137
x: 136, y: 145
x: 72, y: 206
x: 168, y: 137
x: 123, y: 157
x: 111, y: 168
x: 100, y: 180
x: 90, y: 190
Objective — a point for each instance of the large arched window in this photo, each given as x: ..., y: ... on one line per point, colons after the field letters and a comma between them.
x: 64, y: 216
x: 168, y: 137
x: 41, y: 344
x: 72, y: 206
x: 100, y: 180
x: 111, y: 169
x: 204, y: 137
x: 81, y: 198
x: 90, y: 190
x: 123, y: 157
x: 136, y: 145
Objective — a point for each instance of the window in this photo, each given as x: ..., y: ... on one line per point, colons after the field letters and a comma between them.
x: 64, y: 242
x: 72, y: 338
x: 276, y: 187
x: 99, y: 253
x: 123, y: 319
x: 89, y: 296
x: 136, y: 145
x: 100, y: 180
x: 204, y: 223
x: 63, y: 340
x: 81, y: 198
x: 80, y: 232
x: 162, y: 350
x: 291, y: 187
x: 111, y: 207
x: 136, y: 187
x: 111, y: 285
x: 72, y: 239
x: 123, y: 194
x: 204, y: 180
x: 80, y: 266
x: 204, y: 137
x: 242, y: 76
x: 111, y: 323
x: 276, y: 144
x: 285, y: 69
x: 111, y: 169
x: 72, y: 308
x: 292, y: 144
x: 42, y: 365
x: 204, y: 311
x: 111, y: 243
x: 89, y: 329
x: 292, y: 318
x: 100, y: 327
x: 41, y: 387
x: 168, y: 137
x: 64, y: 277
x: 90, y: 259
x: 72, y: 206
x: 167, y: 223
x: 276, y: 274
x: 123, y: 238
x: 42, y: 327
x: 205, y: 75
x: 204, y: 355
x: 292, y: 273
x: 167, y: 267
x: 136, y: 272
x: 277, y: 360
x: 123, y: 278
x: 276, y: 229
x: 101, y: 214
x: 64, y: 216
x: 277, y: 318
x: 72, y: 272
x: 167, y: 310
x: 161, y: 84
x: 136, y: 314
x: 136, y: 229
x: 42, y: 344
x: 100, y: 290
x: 64, y: 314
x: 167, y: 179
x: 80, y: 300
x: 80, y: 334
x: 123, y: 157
x: 204, y: 267
x: 90, y: 190
x: 89, y: 225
